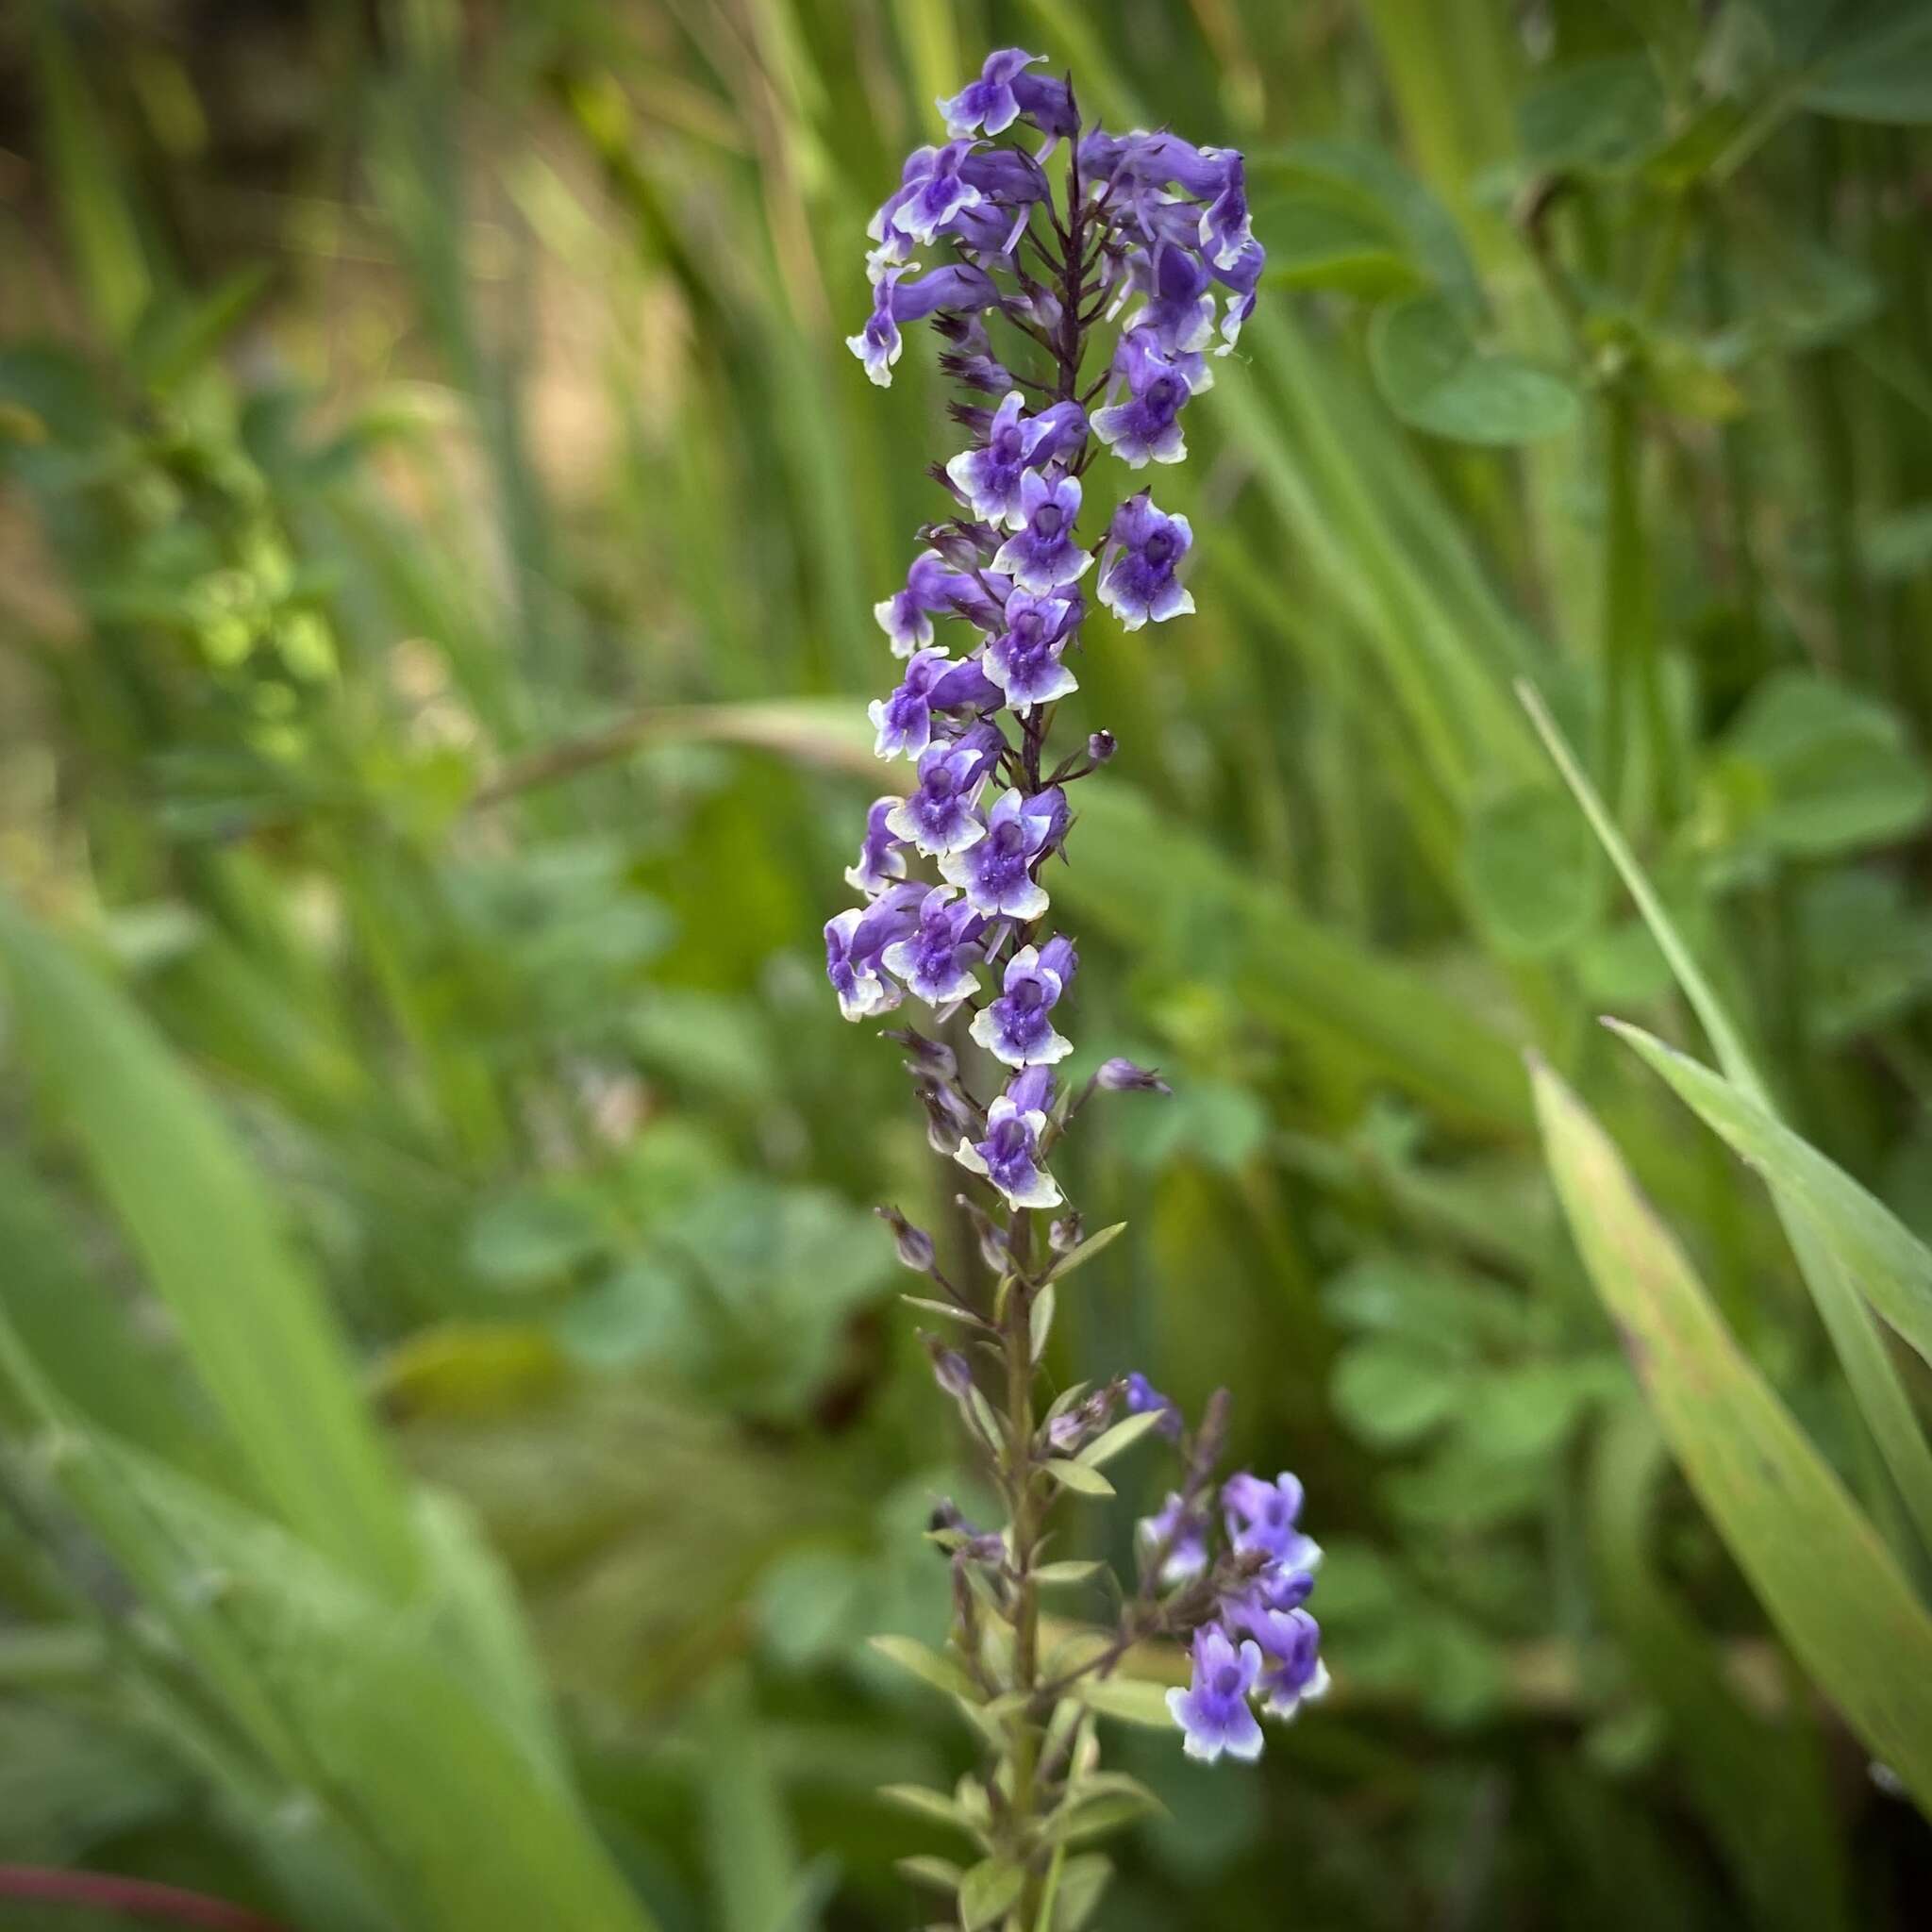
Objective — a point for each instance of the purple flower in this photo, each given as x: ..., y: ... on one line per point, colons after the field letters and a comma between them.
x: 1141, y: 1397
x: 1041, y: 554
x: 1262, y: 1517
x: 1010, y: 1155
x: 1137, y: 581
x: 1291, y: 1645
x: 881, y: 862
x: 938, y: 817
x: 930, y: 585
x: 914, y: 1245
x: 895, y: 300
x: 1024, y: 659
x: 1243, y: 276
x: 1147, y: 427
x: 1182, y: 1533
x: 903, y: 720
x: 1226, y: 229
x: 1179, y: 312
x: 854, y: 942
x: 1122, y: 1077
x: 988, y: 477
x: 1003, y: 92
x: 937, y: 958
x: 1213, y: 1710
x: 995, y: 871
x: 930, y: 193
x: 1016, y: 1027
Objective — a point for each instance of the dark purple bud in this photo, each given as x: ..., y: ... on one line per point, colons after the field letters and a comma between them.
x: 993, y: 1247
x: 1063, y: 1236
x: 964, y: 546
x: 1123, y: 1076
x: 930, y: 1057
x: 1140, y: 1395
x: 914, y: 1243
x: 1101, y: 747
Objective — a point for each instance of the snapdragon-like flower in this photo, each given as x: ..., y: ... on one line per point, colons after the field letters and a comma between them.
x: 1017, y: 1027
x: 1145, y: 546
x: 938, y: 817
x: 931, y: 586
x: 1041, y: 555
x: 1213, y: 1710
x: 1175, y: 1538
x: 1025, y: 660
x: 997, y: 870
x: 880, y: 860
x: 1141, y: 1398
x: 1010, y: 1155
x: 1261, y: 1518
x: 1003, y: 92
x: 936, y: 960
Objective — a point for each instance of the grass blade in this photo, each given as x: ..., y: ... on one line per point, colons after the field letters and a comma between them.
x: 1817, y: 1566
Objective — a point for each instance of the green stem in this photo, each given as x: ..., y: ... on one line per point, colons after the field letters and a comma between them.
x: 1016, y: 1333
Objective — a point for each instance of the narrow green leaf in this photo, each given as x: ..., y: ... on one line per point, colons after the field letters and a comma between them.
x: 1095, y: 1242
x: 990, y: 1888
x: 1874, y: 1377
x: 1078, y: 1477
x: 1888, y: 1264
x: 1820, y: 1569
x: 1067, y: 1573
x: 1124, y: 1435
x: 1039, y: 1324
x: 927, y: 1803
x: 924, y: 1663
x: 250, y: 1317
x: 937, y: 1874
x: 1133, y: 1700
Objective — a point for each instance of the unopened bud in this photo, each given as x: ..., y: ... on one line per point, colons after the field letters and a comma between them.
x: 1063, y: 1236
x: 913, y: 1244
x: 931, y: 1057
x: 993, y: 1247
x: 1123, y: 1076
x: 1101, y: 747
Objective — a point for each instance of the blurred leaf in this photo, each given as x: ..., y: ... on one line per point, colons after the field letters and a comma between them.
x: 1078, y: 1477
x: 1602, y: 117
x: 1436, y: 379
x: 1870, y: 60
x: 1132, y: 1700
x: 1890, y: 1267
x: 1316, y: 245
x: 1534, y: 884
x: 250, y: 1318
x: 1391, y: 1394
x: 925, y: 1663
x: 1824, y: 1577
x: 990, y: 1888
x: 538, y: 1236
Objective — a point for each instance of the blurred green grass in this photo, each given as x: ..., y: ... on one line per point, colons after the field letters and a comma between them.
x: 441, y: 532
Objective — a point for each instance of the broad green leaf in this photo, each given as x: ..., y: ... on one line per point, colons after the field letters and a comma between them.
x: 1533, y: 886
x: 251, y: 1318
x: 1821, y: 1571
x: 1891, y: 1266
x: 1390, y: 1394
x: 1602, y: 117
x: 1881, y: 1394
x: 1082, y: 1881
x: 1436, y: 379
x: 1874, y: 63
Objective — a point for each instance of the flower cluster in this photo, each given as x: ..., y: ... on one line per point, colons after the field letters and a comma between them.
x: 1076, y: 320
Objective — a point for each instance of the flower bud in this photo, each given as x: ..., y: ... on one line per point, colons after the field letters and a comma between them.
x: 993, y: 1248
x: 1123, y: 1076
x: 950, y: 1368
x: 1063, y: 1236
x: 913, y: 1244
x: 930, y: 1058
x: 1101, y: 747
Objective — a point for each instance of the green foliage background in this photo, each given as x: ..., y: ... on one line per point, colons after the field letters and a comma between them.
x: 458, y: 1434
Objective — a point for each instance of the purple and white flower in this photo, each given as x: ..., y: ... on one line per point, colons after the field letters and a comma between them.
x: 903, y: 720
x: 1023, y: 659
x: 1003, y: 92
x: 1010, y: 1155
x: 938, y: 816
x: 988, y: 477
x: 931, y: 584
x: 1041, y: 556
x: 1016, y: 1027
x: 880, y: 860
x: 855, y: 941
x: 1292, y: 1670
x: 996, y: 870
x: 930, y: 194
x: 1138, y: 581
x: 1213, y: 1710
x: 936, y: 960
x: 960, y: 285
x: 1146, y: 428
x: 1182, y: 1533
x: 1262, y: 1517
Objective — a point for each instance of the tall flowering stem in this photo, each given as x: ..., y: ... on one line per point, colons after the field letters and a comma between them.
x: 1077, y: 319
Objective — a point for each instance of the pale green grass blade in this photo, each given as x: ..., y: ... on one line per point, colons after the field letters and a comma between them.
x: 1817, y: 1566
x: 251, y: 1319
x: 1887, y: 1262
x: 1872, y: 1376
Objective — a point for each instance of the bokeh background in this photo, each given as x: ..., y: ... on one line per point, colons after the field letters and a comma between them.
x: 439, y: 531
